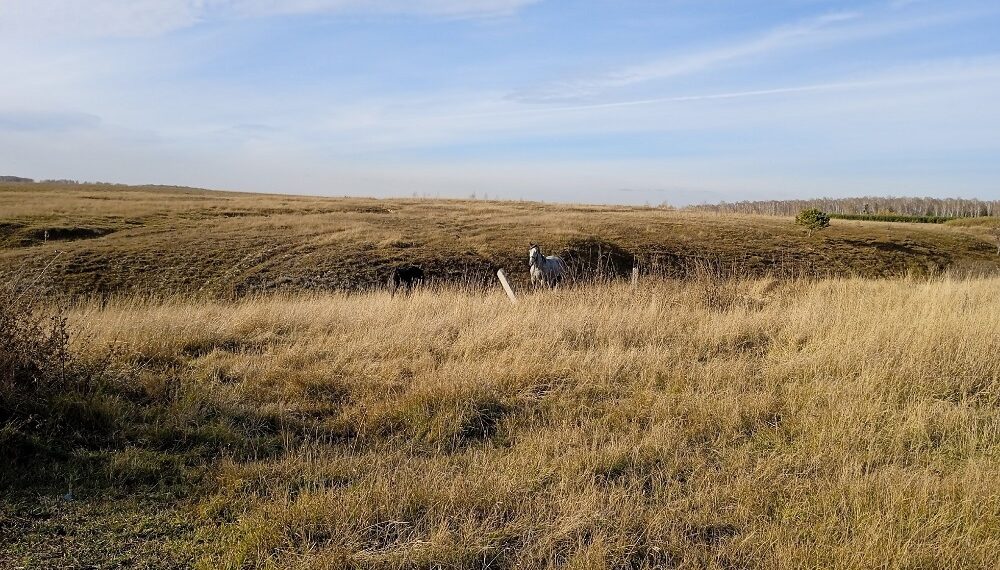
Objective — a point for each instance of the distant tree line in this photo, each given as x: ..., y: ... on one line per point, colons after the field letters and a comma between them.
x: 865, y: 206
x: 50, y: 181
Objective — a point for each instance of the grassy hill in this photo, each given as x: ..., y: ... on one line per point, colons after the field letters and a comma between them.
x: 116, y: 239
x: 227, y: 390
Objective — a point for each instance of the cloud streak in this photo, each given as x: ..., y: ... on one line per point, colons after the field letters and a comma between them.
x: 146, y: 18
x: 988, y: 69
x: 46, y: 121
x: 439, y: 8
x: 782, y: 38
x: 827, y: 30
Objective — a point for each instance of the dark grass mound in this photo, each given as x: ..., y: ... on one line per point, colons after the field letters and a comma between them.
x: 15, y: 235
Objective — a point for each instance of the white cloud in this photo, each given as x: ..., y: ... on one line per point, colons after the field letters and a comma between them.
x: 937, y: 72
x: 888, y: 98
x: 141, y: 18
x: 839, y: 28
x: 782, y: 38
x: 98, y: 17
x: 446, y: 8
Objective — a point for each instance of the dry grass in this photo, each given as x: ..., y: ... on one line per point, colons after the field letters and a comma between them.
x: 143, y: 241
x: 738, y: 424
x: 246, y: 401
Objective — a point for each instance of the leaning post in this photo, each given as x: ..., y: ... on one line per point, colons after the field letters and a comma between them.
x: 506, y: 286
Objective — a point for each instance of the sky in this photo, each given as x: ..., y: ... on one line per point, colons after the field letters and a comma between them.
x: 595, y: 101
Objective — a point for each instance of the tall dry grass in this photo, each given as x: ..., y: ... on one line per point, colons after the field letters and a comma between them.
x: 753, y: 424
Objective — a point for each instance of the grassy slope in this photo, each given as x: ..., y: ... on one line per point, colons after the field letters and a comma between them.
x: 836, y: 424
x: 725, y: 424
x: 170, y: 240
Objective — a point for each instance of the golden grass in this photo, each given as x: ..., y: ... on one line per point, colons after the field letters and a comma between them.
x: 753, y: 424
x: 106, y: 241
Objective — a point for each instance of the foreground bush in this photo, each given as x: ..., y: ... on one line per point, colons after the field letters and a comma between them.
x: 38, y: 375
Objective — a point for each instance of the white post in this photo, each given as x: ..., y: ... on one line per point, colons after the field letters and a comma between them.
x: 635, y: 275
x: 506, y: 286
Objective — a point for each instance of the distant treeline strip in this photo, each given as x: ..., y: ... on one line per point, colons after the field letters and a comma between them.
x: 881, y: 208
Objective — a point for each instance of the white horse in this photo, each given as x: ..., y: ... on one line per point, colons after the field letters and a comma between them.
x: 545, y: 270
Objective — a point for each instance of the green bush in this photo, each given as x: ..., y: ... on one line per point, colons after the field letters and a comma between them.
x: 813, y: 219
x: 893, y: 218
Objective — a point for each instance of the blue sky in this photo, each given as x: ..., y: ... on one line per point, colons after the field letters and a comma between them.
x: 601, y: 101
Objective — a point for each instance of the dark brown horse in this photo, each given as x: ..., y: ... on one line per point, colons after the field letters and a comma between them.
x: 405, y: 277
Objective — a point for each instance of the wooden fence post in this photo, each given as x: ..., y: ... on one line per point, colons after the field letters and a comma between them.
x: 635, y: 275
x: 506, y: 286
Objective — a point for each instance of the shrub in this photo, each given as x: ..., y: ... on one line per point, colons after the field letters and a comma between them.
x: 34, y: 346
x: 813, y: 219
x: 47, y: 403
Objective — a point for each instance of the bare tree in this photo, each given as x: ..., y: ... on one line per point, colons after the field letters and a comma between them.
x: 863, y: 205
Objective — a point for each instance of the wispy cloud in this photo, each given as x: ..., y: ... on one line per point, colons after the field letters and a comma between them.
x: 782, y: 38
x: 988, y: 68
x: 444, y: 8
x: 830, y: 30
x: 143, y: 18
x: 97, y: 18
x: 46, y: 121
x: 895, y: 95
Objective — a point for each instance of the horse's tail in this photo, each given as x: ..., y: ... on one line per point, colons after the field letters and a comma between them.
x: 562, y: 270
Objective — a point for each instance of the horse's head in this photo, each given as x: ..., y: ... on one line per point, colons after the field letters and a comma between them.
x: 534, y: 254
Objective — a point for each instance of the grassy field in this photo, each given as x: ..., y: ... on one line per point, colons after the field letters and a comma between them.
x: 104, y: 240
x: 198, y: 379
x: 680, y: 424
